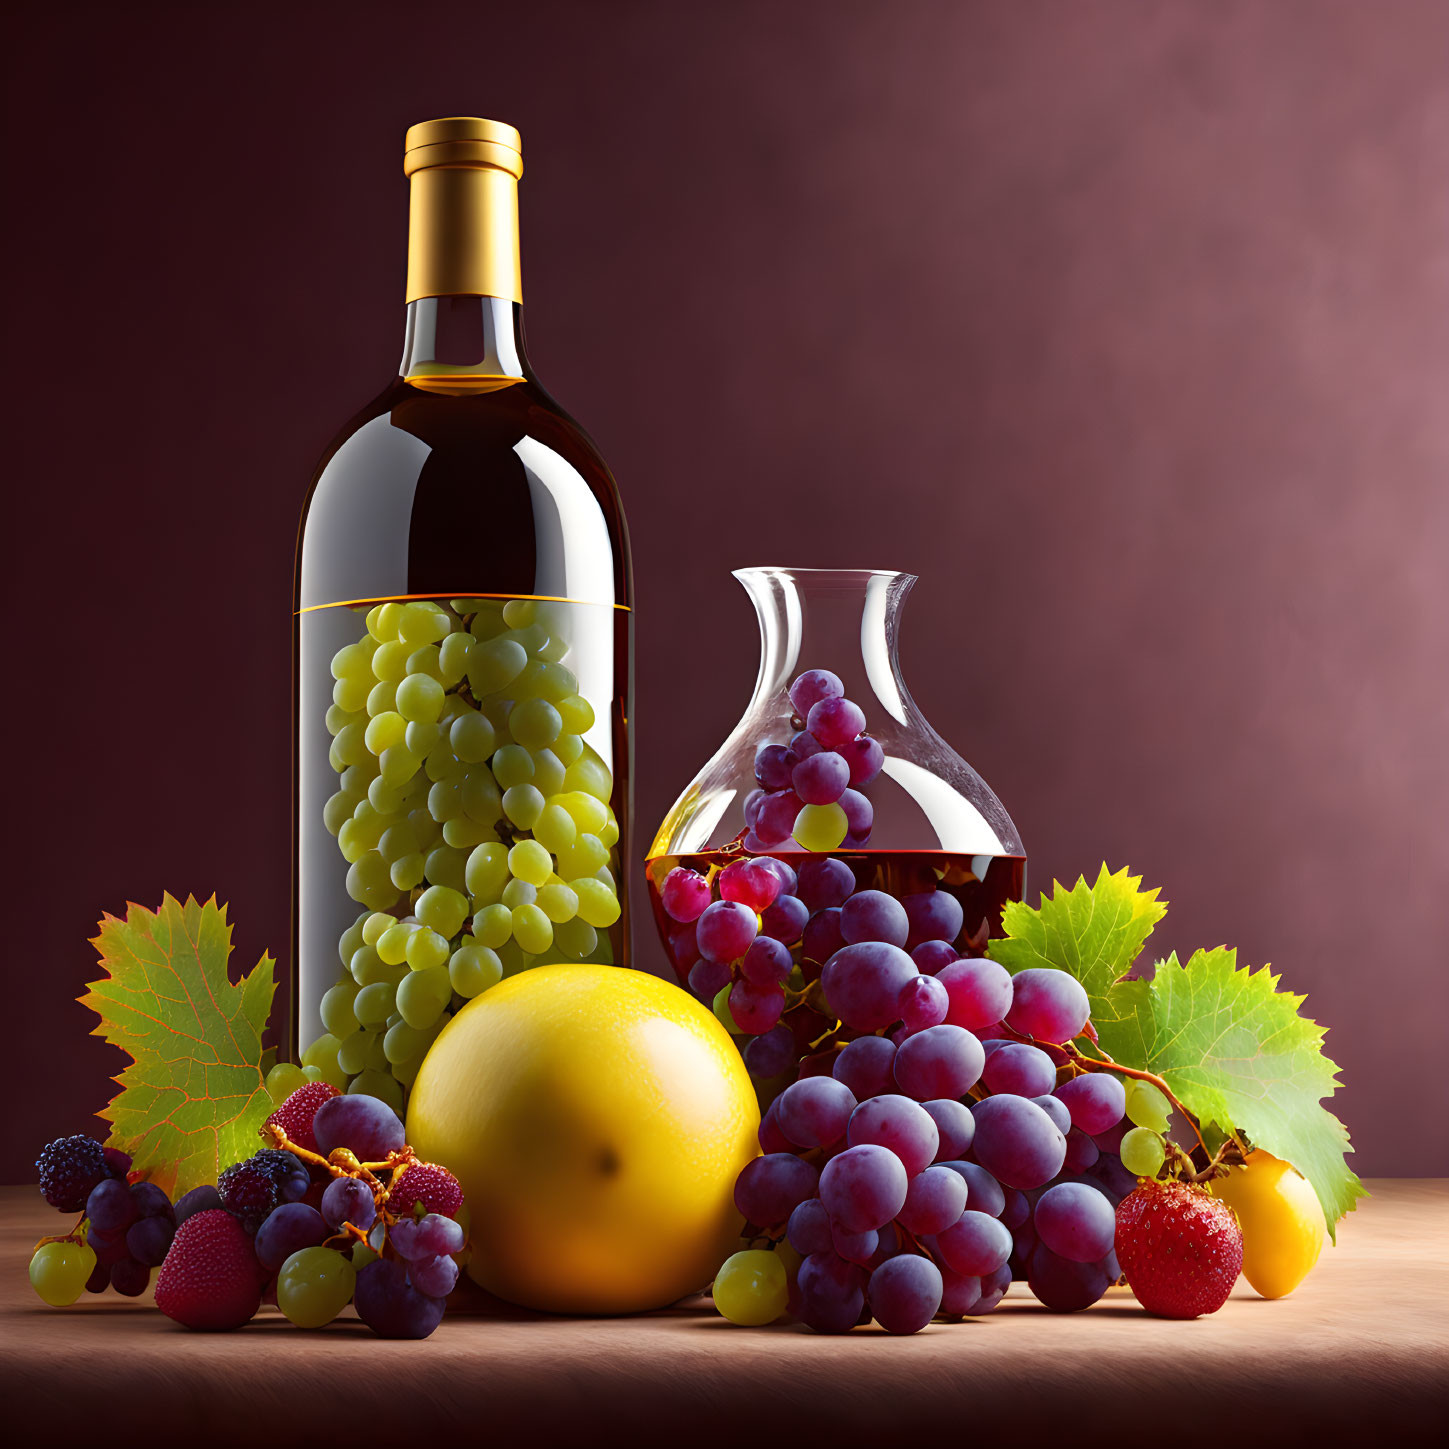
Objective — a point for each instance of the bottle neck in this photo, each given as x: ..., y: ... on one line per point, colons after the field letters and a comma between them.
x: 464, y: 344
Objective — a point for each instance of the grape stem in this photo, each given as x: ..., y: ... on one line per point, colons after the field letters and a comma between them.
x: 76, y: 1235
x: 347, y: 1165
x: 1104, y: 1063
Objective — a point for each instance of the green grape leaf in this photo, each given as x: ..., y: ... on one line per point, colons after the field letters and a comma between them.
x: 194, y: 1095
x: 1096, y: 932
x: 1237, y: 1053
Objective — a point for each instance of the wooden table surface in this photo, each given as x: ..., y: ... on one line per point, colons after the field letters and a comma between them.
x: 1358, y: 1355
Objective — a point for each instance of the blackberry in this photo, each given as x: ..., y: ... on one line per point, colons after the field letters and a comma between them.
x: 70, y: 1167
x: 253, y: 1189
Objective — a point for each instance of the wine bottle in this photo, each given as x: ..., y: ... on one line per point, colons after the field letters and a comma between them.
x: 462, y: 659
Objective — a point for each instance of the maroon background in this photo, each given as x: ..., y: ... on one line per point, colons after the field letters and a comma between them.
x: 1125, y: 325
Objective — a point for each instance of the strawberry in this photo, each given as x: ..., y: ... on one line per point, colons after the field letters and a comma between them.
x: 295, y: 1115
x: 211, y: 1278
x: 1180, y: 1248
x: 427, y: 1183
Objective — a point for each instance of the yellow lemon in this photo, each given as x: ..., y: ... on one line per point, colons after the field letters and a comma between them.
x: 1282, y: 1222
x: 597, y: 1119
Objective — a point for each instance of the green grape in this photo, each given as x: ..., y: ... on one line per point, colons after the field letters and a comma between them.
x: 420, y: 697
x: 523, y: 804
x: 820, y: 828
x: 530, y: 638
x: 555, y: 829
x: 283, y: 1080
x: 335, y: 718
x: 387, y: 728
x: 424, y: 660
x: 422, y: 996
x: 577, y: 714
x: 493, y: 926
x: 426, y: 830
x: 548, y: 772
x: 351, y: 939
x: 398, y: 764
x: 721, y: 1008
x: 582, y: 858
x: 575, y: 937
x: 354, y: 779
x: 337, y: 811
x: 530, y: 862
x: 479, y: 796
x: 445, y: 800
x: 315, y: 1285
x: 442, y: 764
x: 422, y: 739
x: 352, y: 1053
x: 586, y: 812
x: 387, y: 620
x: 487, y: 869
x: 423, y: 623
x: 609, y: 835
x: 519, y: 893
x: 453, y: 657
x: 520, y: 613
x: 494, y: 664
x: 442, y: 909
x: 534, y: 723
x: 382, y: 1085
x: 512, y: 765
x: 1142, y: 1152
x: 514, y: 958
x: 558, y: 902
x: 397, y: 841
x: 392, y: 945
x: 366, y: 966
x: 58, y: 1272
x: 406, y: 872
x: 352, y: 841
x: 465, y: 833
x: 375, y: 1050
x: 403, y: 1043
x: 390, y: 662
x: 556, y: 649
x: 750, y: 1288
x: 374, y: 614
x: 349, y: 694
x: 336, y: 1008
x: 471, y: 735
x: 382, y: 697
x: 385, y: 797
x: 444, y: 866
x: 568, y: 748
x: 322, y: 1053
x: 591, y: 775
x: 1146, y: 1106
x: 532, y: 929
x: 598, y: 905
x: 374, y: 1004
x: 473, y: 969
x: 352, y: 661
x: 368, y: 882
x: 426, y: 949
x: 552, y: 682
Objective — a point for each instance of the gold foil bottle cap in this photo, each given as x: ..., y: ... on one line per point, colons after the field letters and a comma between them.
x: 467, y: 141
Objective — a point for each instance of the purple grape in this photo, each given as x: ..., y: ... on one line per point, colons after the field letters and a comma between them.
x: 100, y: 1278
x: 935, y: 1199
x: 683, y: 949
x: 863, y: 1187
x: 750, y: 882
x: 983, y: 1192
x: 862, y: 984
x: 365, y: 1126
x: 128, y: 1277
x: 961, y: 1293
x: 1017, y: 1209
x: 1076, y: 1221
x: 767, y: 962
x: 809, y: 1228
x: 118, y: 1163
x: 770, y: 1188
x: 110, y: 1206
x: 980, y: 992
x: 822, y: 779
x: 1063, y: 1285
x: 822, y: 938
x: 815, y: 1112
x: 873, y: 916
x: 784, y: 873
x: 1111, y: 1139
x: 1023, y: 1070
x: 431, y: 1235
x: 348, y: 1200
x: 864, y: 757
x: 899, y: 1124
x: 923, y: 1003
x: 772, y: 1054
x: 1112, y: 1268
x: 770, y: 1134
x: 954, y: 1125
x: 905, y: 1293
x: 865, y: 1066
x: 152, y: 1202
x: 755, y: 1008
x: 934, y: 916
x: 854, y: 1247
x: 201, y: 1199
x: 1049, y: 1005
x: 1016, y: 1142
x: 1082, y: 1152
x: 931, y: 956
x: 785, y: 919
x: 147, y: 1240
x: 1023, y: 1244
x: 942, y: 1061
x: 436, y: 1276
x: 684, y: 894
x: 708, y: 978
x: 776, y: 820
x: 724, y: 931
x: 859, y: 817
x: 803, y: 744
x: 825, y: 881
x: 752, y: 806
x: 811, y: 687
x: 1096, y: 1100
x: 290, y: 1228
x: 773, y: 764
x: 390, y: 1306
x: 109, y: 1248
x: 1054, y: 1108
x: 831, y: 1292
x: 1116, y: 1181
x: 975, y: 1243
x: 835, y: 721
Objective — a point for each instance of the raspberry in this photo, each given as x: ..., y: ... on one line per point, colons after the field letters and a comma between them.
x: 1180, y: 1248
x: 427, y: 1183
x: 210, y: 1278
x: 70, y: 1168
x: 294, y: 1116
x: 254, y: 1188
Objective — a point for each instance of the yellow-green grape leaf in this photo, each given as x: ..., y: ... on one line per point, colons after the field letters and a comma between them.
x: 1095, y: 932
x: 194, y: 1095
x: 1237, y: 1053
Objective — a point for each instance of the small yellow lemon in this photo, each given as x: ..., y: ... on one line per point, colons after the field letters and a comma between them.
x: 597, y: 1118
x: 1282, y: 1222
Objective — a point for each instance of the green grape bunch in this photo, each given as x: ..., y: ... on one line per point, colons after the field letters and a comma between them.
x: 474, y: 819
